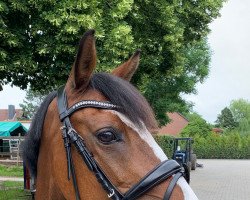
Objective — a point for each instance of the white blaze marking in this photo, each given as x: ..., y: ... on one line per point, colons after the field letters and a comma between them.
x: 186, y: 189
x: 144, y: 134
x: 148, y: 138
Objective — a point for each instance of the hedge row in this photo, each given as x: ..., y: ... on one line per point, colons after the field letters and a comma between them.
x: 232, y: 146
x: 166, y: 143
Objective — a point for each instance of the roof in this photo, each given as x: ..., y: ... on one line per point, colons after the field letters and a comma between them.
x: 4, y: 114
x: 217, y: 130
x: 175, y: 126
x: 12, y: 129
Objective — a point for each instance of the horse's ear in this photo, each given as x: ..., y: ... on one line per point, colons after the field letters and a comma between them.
x: 127, y: 69
x: 85, y: 62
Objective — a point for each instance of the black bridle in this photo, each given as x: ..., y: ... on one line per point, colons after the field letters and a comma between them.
x: 160, y: 173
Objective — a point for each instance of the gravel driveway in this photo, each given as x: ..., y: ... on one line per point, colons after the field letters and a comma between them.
x: 222, y: 180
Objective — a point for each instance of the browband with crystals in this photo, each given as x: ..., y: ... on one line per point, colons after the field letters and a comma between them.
x: 88, y: 104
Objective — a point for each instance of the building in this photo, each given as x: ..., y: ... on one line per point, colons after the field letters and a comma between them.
x: 217, y: 130
x: 10, y: 114
x: 11, y: 131
x: 12, y: 128
x: 175, y: 126
x: 10, y: 138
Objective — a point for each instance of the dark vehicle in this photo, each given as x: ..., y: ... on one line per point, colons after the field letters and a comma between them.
x: 184, y: 155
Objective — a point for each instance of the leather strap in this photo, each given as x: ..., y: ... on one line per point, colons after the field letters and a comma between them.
x: 62, y: 107
x: 71, y: 136
x: 87, y: 104
x: 74, y: 178
x: 61, y: 101
x: 160, y: 173
x: 171, y: 186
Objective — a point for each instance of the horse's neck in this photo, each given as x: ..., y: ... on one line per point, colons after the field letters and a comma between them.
x: 46, y: 187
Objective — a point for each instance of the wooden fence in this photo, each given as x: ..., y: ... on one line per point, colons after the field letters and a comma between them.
x: 10, y: 148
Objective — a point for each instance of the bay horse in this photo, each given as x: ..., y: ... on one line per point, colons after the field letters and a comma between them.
x: 91, y: 139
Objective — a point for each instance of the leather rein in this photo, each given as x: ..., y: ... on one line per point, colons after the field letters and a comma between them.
x: 161, y: 172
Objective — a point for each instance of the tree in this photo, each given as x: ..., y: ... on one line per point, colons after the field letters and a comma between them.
x: 38, y: 43
x: 197, y: 126
x: 241, y: 112
x: 226, y: 120
x: 31, y: 103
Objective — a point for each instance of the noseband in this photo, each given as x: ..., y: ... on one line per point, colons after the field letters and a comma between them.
x: 160, y: 173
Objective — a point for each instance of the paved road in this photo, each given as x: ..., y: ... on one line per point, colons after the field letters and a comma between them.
x: 222, y: 180
x: 8, y: 178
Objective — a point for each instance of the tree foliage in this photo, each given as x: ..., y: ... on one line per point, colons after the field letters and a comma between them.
x: 241, y: 111
x: 197, y: 126
x: 38, y: 41
x: 30, y: 104
x: 226, y: 120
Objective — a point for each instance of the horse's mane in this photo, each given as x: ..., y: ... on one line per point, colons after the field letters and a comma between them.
x: 117, y: 91
x: 31, y: 143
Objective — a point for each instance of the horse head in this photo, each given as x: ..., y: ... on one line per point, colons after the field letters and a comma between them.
x: 117, y: 138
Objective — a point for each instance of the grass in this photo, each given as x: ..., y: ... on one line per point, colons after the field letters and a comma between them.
x: 11, y: 171
x: 14, y: 194
x: 11, y: 184
x: 11, y: 190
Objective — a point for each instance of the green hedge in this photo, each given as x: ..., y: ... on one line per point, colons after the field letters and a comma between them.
x: 166, y: 143
x: 231, y: 146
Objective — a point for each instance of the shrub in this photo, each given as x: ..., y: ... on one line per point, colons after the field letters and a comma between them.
x: 214, y: 146
x: 166, y: 143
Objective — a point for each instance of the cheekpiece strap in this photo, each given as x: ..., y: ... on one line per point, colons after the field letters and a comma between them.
x: 70, y: 136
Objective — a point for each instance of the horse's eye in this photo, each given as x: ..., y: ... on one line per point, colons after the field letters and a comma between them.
x: 107, y: 137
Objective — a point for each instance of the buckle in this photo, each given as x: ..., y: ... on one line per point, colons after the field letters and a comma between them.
x: 111, y: 194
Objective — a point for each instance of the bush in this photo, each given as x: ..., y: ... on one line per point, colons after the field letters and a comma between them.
x: 232, y: 146
x: 214, y: 146
x: 166, y: 143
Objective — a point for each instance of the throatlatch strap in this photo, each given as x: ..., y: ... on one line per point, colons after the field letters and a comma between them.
x: 74, y: 178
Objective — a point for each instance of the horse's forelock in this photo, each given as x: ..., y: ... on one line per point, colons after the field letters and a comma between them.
x: 121, y: 93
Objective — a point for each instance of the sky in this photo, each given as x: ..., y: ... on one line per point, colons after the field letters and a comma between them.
x: 229, y: 77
